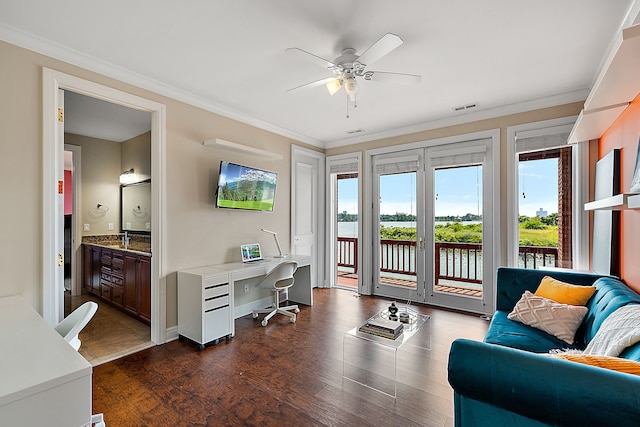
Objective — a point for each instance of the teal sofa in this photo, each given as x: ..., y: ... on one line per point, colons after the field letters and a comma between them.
x: 509, y: 379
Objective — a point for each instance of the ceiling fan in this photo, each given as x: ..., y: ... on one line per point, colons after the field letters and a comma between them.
x: 349, y: 66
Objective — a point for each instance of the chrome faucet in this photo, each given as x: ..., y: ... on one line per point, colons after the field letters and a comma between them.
x: 125, y: 240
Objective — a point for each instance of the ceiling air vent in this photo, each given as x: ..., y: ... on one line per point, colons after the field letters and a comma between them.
x: 351, y: 132
x: 465, y: 107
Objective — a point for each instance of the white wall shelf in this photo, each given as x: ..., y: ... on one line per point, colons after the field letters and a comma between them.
x: 614, y: 203
x: 221, y: 143
x: 616, y: 86
x: 633, y: 202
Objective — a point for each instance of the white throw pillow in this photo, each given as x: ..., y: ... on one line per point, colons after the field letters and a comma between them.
x: 617, y: 332
x: 559, y: 320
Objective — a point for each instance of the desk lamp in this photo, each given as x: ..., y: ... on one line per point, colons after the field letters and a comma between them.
x: 275, y: 236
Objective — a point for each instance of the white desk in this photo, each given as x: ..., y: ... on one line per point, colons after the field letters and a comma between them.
x: 302, y: 290
x: 206, y: 295
x: 44, y: 381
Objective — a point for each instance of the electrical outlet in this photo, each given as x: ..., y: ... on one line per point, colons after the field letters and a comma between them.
x: 86, y: 227
x: 110, y: 226
x: 246, y: 288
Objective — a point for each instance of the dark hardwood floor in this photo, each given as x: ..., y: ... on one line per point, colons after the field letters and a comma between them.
x: 282, y: 374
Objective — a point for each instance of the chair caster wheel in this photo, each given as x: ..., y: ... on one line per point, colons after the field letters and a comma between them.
x: 293, y: 319
x: 254, y: 315
x: 297, y: 310
x: 264, y: 323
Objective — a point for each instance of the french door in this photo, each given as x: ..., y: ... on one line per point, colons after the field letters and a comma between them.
x: 433, y: 220
x: 398, y: 226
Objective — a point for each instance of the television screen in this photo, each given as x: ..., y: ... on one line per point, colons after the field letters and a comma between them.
x: 244, y: 187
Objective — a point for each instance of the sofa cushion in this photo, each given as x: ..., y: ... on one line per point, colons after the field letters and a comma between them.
x: 560, y: 320
x: 514, y: 334
x: 564, y: 293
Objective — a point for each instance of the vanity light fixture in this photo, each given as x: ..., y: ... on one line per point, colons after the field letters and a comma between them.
x: 128, y: 177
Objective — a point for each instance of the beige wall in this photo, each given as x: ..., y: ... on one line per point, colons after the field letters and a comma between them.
x: 99, y: 183
x: 136, y: 154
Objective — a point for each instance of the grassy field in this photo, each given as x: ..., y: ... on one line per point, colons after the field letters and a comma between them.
x: 265, y: 205
x: 472, y: 233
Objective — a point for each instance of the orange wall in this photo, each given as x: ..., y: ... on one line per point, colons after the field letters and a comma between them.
x: 624, y: 133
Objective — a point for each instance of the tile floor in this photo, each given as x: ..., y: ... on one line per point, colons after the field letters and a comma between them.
x: 111, y: 334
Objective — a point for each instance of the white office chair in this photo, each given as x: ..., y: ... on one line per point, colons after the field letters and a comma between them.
x: 279, y: 279
x: 71, y: 325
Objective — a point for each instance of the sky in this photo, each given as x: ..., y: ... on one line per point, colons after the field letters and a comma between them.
x: 458, y: 192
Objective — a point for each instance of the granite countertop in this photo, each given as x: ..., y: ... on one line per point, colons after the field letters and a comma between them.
x: 141, y: 247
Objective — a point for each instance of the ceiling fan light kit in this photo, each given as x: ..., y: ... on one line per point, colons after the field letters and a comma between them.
x: 348, y: 66
x: 334, y: 86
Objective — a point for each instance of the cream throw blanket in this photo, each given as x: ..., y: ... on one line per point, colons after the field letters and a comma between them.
x: 618, y: 331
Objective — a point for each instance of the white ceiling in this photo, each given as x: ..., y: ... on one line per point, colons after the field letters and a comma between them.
x: 101, y: 119
x: 229, y: 56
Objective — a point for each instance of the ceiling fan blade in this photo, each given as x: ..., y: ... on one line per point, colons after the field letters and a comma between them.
x: 313, y: 84
x: 310, y: 57
x: 382, y: 76
x: 383, y: 46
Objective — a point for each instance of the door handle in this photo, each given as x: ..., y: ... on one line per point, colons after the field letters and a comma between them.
x: 421, y: 243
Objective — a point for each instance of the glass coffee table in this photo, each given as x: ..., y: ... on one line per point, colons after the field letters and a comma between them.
x: 371, y: 360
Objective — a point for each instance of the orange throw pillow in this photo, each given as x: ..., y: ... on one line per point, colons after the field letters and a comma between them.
x: 564, y: 293
x: 608, y: 362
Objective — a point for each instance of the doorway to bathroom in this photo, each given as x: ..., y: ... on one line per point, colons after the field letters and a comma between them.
x: 106, y: 139
x: 54, y: 85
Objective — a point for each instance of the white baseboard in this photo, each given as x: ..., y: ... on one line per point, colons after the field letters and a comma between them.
x: 243, y: 310
x: 171, y: 334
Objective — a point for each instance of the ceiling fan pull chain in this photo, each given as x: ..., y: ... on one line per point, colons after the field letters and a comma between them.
x: 347, y: 98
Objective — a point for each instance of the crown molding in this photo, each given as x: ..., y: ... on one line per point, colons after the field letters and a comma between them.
x: 489, y: 113
x: 45, y: 47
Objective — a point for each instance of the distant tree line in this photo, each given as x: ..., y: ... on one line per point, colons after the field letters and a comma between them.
x: 404, y: 217
x: 538, y: 223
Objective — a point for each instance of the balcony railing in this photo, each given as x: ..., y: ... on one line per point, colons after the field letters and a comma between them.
x: 461, y: 262
x: 347, y: 253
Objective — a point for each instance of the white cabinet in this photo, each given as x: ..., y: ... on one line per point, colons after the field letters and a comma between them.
x: 205, y: 305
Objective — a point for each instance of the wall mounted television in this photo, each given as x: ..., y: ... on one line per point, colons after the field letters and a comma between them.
x: 244, y: 187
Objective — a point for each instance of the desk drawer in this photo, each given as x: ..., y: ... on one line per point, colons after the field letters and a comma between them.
x: 217, y: 323
x: 215, y: 290
x: 215, y: 302
x: 209, y: 281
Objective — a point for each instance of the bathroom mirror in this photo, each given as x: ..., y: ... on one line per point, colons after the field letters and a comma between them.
x: 135, y: 207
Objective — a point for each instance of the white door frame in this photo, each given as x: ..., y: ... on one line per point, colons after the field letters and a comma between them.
x: 318, y: 263
x: 52, y: 144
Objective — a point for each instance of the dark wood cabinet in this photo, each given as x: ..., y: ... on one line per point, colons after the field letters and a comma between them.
x: 121, y: 278
x: 131, y: 288
x: 144, y: 283
x: 91, y: 266
x: 137, y: 286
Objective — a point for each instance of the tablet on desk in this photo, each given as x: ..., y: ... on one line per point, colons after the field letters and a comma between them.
x: 251, y: 252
